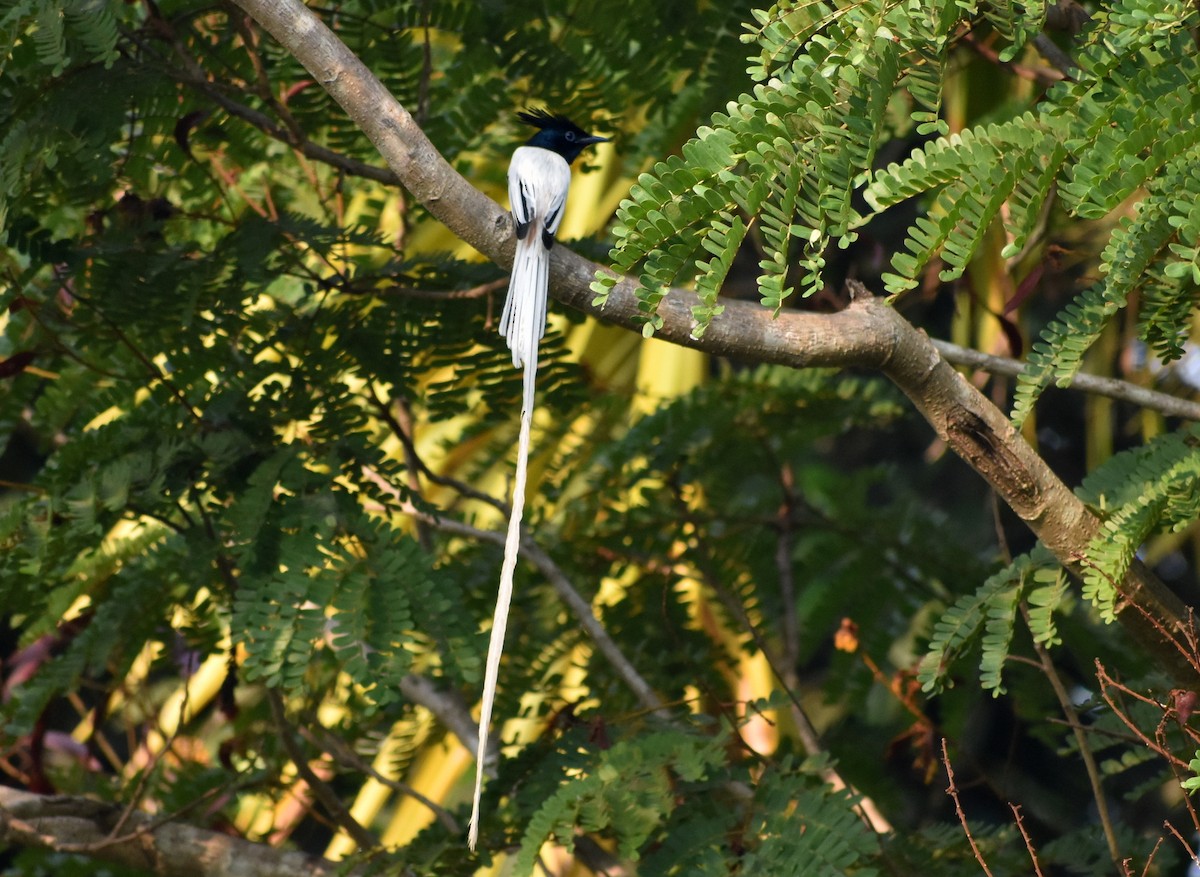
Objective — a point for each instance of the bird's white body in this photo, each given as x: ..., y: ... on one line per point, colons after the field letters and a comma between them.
x: 538, y: 180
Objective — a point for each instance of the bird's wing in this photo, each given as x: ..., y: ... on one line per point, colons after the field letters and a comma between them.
x: 521, y: 197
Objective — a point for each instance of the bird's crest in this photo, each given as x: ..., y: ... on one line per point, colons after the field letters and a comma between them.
x: 544, y: 119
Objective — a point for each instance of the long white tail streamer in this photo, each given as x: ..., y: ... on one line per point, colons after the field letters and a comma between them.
x: 523, y: 323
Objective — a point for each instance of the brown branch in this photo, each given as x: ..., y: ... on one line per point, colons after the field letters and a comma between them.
x: 952, y: 791
x: 1020, y: 820
x: 1085, y: 750
x: 866, y: 334
x: 328, y: 797
x: 170, y: 849
x: 339, y: 751
x: 1179, y: 837
x: 1124, y: 391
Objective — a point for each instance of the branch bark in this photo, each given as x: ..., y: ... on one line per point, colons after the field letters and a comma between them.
x: 171, y: 849
x: 865, y: 334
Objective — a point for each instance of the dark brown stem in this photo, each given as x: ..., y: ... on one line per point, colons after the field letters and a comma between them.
x: 1085, y: 750
x: 952, y: 791
x: 1016, y: 811
x: 327, y: 796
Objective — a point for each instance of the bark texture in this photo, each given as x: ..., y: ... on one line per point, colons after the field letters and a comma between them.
x: 172, y: 849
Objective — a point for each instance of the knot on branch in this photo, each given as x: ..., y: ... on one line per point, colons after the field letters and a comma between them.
x: 974, y: 439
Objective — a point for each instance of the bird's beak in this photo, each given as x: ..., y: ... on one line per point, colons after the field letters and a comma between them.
x: 588, y: 141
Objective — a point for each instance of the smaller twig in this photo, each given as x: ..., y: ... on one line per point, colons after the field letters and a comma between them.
x: 404, y: 421
x: 152, y: 369
x: 1106, y: 683
x: 426, y: 68
x: 784, y: 546
x: 567, y: 592
x: 1179, y: 837
x: 1090, y: 729
x: 952, y: 791
x: 1056, y: 57
x: 1042, y: 75
x: 14, y: 485
x: 1016, y: 810
x: 1150, y: 858
x: 197, y: 78
x: 341, y: 816
x: 446, y: 707
x: 337, y: 749
x: 1110, y: 387
x: 480, y: 291
x: 385, y: 412
x: 1085, y: 750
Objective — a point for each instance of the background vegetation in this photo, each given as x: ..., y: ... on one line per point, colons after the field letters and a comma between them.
x: 257, y: 425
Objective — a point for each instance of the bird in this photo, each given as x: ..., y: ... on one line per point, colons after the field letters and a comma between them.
x: 539, y: 175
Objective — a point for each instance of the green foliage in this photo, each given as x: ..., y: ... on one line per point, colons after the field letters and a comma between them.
x: 989, y: 615
x: 782, y: 166
x: 815, y: 826
x: 630, y: 790
x: 789, y: 158
x: 1139, y: 492
x: 62, y: 30
x: 976, y: 173
x: 668, y: 803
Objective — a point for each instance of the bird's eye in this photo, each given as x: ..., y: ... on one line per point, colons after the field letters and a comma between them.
x: 570, y: 135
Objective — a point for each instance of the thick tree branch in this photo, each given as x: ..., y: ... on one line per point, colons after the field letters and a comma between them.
x: 171, y: 849
x: 867, y: 333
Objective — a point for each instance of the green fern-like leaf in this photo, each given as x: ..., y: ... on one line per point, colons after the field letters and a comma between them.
x: 976, y: 173
x: 1051, y: 589
x: 1001, y: 614
x: 1136, y: 246
x: 988, y: 615
x: 629, y: 792
x: 1161, y: 494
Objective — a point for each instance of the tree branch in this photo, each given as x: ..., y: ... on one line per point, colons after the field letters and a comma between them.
x: 575, y: 601
x: 171, y: 849
x: 321, y: 789
x: 867, y: 333
x: 1143, y: 397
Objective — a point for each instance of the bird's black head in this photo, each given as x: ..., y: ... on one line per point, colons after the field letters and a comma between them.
x: 558, y: 134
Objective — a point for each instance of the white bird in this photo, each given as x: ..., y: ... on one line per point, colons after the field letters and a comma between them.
x: 538, y: 178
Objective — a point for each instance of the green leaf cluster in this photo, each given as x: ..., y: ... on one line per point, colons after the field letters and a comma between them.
x: 1139, y: 492
x: 988, y: 618
x: 788, y: 160
x: 629, y: 791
